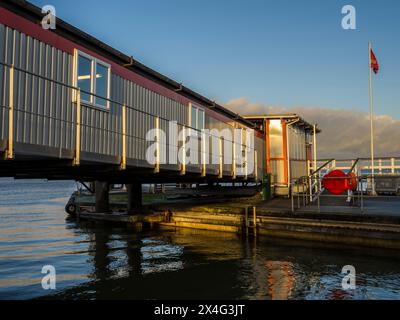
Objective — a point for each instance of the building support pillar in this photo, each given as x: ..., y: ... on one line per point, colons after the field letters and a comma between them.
x: 102, y: 197
x: 134, y: 191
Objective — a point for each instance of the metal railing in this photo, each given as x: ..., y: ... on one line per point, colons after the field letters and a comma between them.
x: 382, y: 165
x: 309, y: 190
x: 308, y: 196
x: 78, y: 125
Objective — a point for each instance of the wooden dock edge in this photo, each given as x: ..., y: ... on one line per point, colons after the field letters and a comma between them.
x: 357, y: 233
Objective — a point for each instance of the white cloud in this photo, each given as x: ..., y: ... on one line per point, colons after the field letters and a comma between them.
x: 345, y: 133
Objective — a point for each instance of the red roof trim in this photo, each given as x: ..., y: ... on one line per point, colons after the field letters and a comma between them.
x: 33, y: 30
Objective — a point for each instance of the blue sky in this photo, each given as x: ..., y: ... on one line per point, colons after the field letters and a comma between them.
x: 279, y: 53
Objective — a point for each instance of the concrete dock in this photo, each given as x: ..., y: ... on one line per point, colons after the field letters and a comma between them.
x: 377, y: 226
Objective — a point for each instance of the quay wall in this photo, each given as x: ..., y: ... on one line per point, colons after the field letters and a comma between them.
x: 346, y: 232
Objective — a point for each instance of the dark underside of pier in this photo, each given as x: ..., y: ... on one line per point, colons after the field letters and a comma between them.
x: 33, y: 162
x: 44, y: 168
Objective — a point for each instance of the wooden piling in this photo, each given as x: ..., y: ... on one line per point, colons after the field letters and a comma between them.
x: 134, y: 191
x: 246, y: 220
x: 102, y: 197
x: 254, y: 221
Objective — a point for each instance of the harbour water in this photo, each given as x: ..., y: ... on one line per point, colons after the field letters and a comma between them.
x: 98, y: 261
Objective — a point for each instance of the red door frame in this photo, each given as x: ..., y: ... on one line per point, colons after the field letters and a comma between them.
x: 285, y: 153
x: 284, y: 147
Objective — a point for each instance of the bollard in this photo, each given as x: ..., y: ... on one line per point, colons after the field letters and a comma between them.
x: 266, y: 187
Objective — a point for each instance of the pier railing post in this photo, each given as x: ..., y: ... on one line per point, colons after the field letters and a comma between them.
x: 298, y: 193
x: 255, y: 166
x: 157, y: 167
x: 203, y: 153
x: 392, y: 165
x: 233, y: 160
x: 292, y: 195
x: 10, y: 144
x: 246, y: 168
x: 220, y: 174
x: 123, y: 157
x: 77, y: 159
x: 183, y: 164
x: 362, y: 195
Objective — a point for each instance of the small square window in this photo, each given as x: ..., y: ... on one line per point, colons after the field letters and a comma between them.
x: 196, y: 117
x: 196, y: 120
x: 101, y: 84
x: 200, y: 119
x: 93, y: 78
x: 85, y: 77
x: 193, y: 118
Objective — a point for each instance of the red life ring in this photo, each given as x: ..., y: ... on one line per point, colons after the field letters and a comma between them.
x: 335, y: 182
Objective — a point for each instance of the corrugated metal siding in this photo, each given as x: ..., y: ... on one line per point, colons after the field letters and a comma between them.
x: 45, y: 113
x: 102, y: 129
x: 143, y: 108
x: 298, y: 153
x: 3, y: 85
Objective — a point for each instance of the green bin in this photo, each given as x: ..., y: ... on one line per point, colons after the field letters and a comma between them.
x: 266, y: 187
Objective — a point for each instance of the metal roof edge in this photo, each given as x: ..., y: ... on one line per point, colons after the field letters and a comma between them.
x: 301, y: 121
x: 67, y: 30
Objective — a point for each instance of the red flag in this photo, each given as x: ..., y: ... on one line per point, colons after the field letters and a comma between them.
x: 374, y: 62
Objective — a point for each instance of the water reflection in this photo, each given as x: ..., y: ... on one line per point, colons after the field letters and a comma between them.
x: 159, y: 256
x: 188, y: 264
x: 98, y: 261
x: 280, y: 279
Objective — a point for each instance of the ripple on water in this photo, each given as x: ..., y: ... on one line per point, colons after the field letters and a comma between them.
x: 99, y: 261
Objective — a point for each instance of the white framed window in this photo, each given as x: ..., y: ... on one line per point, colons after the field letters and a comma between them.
x: 92, y: 76
x: 196, y: 118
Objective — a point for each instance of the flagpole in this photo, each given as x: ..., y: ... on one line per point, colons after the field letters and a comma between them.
x: 371, y: 122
